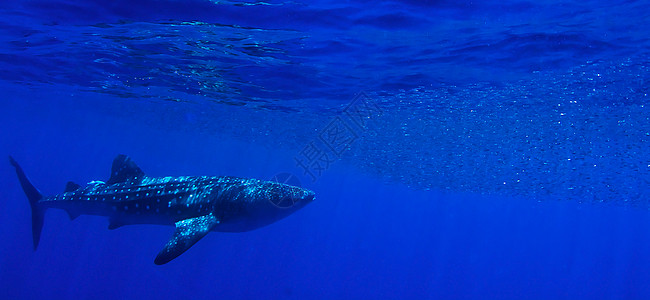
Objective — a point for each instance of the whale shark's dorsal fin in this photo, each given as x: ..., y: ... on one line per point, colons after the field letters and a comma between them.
x: 124, y: 169
x: 71, y: 187
x: 187, y: 233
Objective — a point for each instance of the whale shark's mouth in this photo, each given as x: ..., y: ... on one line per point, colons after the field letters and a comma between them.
x: 311, y: 197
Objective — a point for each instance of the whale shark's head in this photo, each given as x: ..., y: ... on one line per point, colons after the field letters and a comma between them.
x: 285, y: 196
x: 268, y: 202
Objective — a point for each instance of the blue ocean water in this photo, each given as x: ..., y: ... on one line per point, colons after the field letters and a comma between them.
x: 491, y: 149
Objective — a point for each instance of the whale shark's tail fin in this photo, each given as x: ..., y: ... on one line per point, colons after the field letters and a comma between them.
x: 33, y: 195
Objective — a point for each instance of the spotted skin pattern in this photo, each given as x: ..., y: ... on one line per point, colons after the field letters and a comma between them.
x: 194, y: 204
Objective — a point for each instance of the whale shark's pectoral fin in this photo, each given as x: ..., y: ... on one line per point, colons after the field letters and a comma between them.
x: 187, y: 233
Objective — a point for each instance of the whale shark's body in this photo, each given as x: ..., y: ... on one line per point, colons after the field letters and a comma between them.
x: 196, y: 205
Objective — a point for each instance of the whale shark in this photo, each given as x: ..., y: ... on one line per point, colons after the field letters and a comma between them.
x: 196, y: 205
